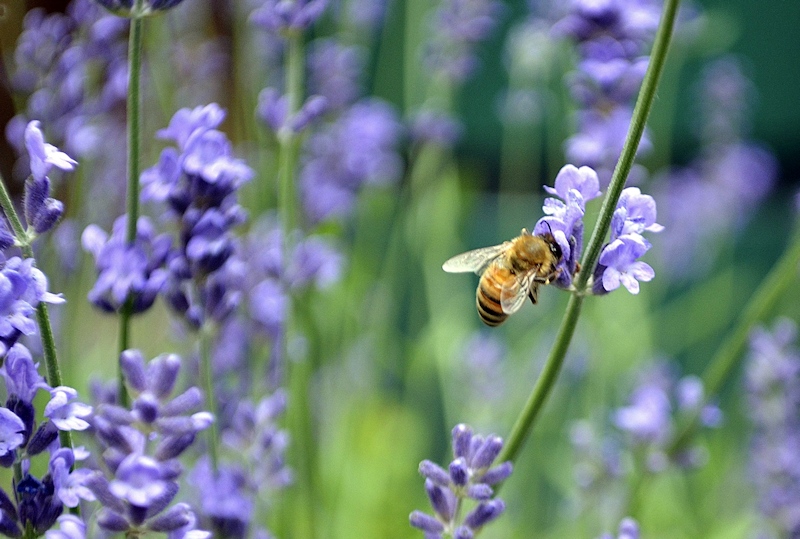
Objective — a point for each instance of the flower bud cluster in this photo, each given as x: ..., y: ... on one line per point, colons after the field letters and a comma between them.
x: 198, y: 181
x: 628, y: 529
x: 288, y: 16
x: 36, y: 503
x: 772, y: 377
x: 470, y: 476
x: 612, y: 39
x: 141, y: 445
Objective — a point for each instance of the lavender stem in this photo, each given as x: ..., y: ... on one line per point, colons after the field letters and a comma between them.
x: 546, y: 381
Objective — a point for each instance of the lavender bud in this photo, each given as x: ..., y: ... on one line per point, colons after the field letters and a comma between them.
x: 441, y: 500
x: 498, y: 473
x: 171, y: 447
x: 42, y: 438
x: 425, y: 522
x: 132, y: 365
x: 480, y: 491
x: 175, y: 517
x: 112, y: 521
x: 484, y: 513
x: 434, y: 472
x: 484, y: 457
x: 459, y: 473
x: 462, y: 438
x: 162, y: 373
x: 100, y: 488
x: 462, y: 532
x: 6, y: 238
x: 145, y: 408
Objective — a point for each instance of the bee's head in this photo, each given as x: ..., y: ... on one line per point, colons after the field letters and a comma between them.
x: 552, y: 244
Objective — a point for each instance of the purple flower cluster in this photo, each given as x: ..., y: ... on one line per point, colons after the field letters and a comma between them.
x: 140, y: 447
x: 618, y: 263
x: 773, y: 388
x: 35, y: 502
x: 71, y: 71
x: 125, y: 7
x: 229, y: 497
x: 355, y: 150
x: 198, y: 181
x: 612, y: 37
x: 469, y: 477
x: 271, y: 278
x: 126, y: 271
x: 282, y: 16
x: 457, y: 26
x: 724, y: 184
x: 655, y: 407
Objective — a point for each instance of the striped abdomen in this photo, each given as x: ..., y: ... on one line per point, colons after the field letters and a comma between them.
x: 488, y: 294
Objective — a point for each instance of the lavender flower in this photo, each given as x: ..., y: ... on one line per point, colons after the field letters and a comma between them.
x: 70, y: 527
x: 125, y: 7
x: 141, y: 445
x: 358, y: 149
x: 22, y: 287
x: 199, y: 181
x: 619, y: 260
x: 656, y: 405
x: 457, y: 26
x: 612, y: 38
x: 564, y: 218
x: 281, y: 16
x: 470, y: 476
x: 772, y: 376
x: 127, y: 272
x: 44, y: 156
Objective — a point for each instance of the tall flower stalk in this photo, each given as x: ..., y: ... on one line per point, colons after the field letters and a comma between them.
x: 546, y: 381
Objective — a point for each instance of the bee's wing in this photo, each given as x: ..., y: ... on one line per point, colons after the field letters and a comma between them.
x: 513, y: 293
x: 475, y: 260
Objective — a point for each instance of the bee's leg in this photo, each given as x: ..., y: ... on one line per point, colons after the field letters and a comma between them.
x: 533, y: 293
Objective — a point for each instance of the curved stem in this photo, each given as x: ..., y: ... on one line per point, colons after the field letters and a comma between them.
x: 771, y: 289
x: 134, y: 141
x: 546, y: 381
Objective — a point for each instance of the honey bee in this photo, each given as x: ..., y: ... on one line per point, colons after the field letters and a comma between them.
x: 509, y: 272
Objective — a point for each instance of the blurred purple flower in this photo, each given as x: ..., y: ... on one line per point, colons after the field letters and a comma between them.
x: 772, y: 379
x: 335, y: 72
x: 225, y: 497
x: 11, y: 431
x: 21, y: 374
x: 628, y: 529
x: 70, y: 527
x: 127, y: 272
x: 285, y: 16
x: 358, y: 149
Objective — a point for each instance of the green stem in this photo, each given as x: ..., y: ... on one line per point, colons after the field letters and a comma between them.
x: 771, y: 289
x: 134, y: 142
x: 546, y: 381
x: 42, y: 315
x: 206, y: 333
x: 289, y: 143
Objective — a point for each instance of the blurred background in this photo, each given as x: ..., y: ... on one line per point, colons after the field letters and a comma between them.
x: 397, y: 352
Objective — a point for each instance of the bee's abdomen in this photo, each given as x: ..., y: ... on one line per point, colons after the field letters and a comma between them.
x: 488, y: 298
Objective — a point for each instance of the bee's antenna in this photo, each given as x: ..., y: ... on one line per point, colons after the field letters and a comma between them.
x: 548, y: 226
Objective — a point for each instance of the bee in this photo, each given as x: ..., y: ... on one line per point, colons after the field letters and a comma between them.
x: 509, y: 272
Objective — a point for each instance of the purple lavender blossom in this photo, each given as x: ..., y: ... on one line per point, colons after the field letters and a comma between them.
x: 44, y: 156
x: 125, y: 7
x: 22, y: 287
x: 11, y: 432
x: 612, y: 38
x: 140, y: 447
x: 226, y: 497
x: 273, y: 109
x: 199, y: 181
x: 64, y: 413
x: 281, y: 16
x: 772, y: 379
x: 470, y: 475
x: 70, y: 487
x: 457, y: 26
x: 619, y: 264
x: 127, y: 272
x: 358, y: 149
x: 21, y: 375
x: 335, y: 72
x: 564, y: 218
